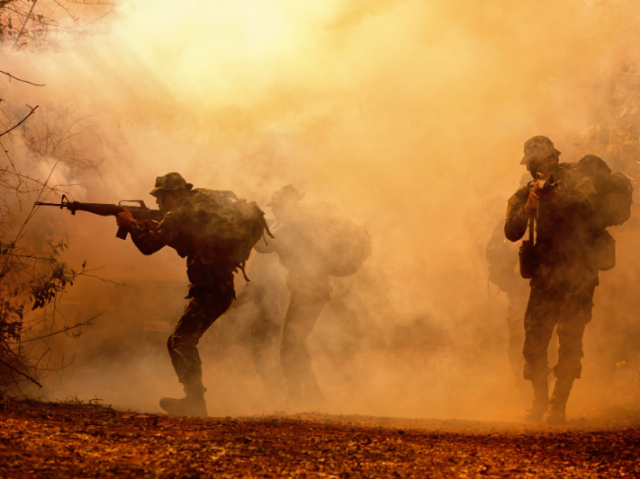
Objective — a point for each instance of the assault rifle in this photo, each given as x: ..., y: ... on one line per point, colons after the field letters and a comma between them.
x: 528, y: 255
x: 140, y: 212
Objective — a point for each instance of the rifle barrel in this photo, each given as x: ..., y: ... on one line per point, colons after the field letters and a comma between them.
x: 105, y: 209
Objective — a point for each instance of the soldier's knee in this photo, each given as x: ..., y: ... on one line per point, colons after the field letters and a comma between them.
x: 264, y: 330
x: 180, y: 343
x: 286, y: 348
x: 534, y: 349
x: 289, y: 351
x: 570, y: 334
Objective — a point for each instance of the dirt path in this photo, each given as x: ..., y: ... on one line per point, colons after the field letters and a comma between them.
x: 58, y: 440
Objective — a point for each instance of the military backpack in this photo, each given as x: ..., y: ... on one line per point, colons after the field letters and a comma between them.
x: 229, y: 227
x: 615, y: 192
x: 613, y: 207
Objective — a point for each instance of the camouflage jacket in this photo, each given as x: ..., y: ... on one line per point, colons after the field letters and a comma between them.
x: 564, y: 229
x: 182, y: 229
x: 298, y: 244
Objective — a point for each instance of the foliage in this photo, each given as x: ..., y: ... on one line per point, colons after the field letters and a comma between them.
x: 27, y: 23
x: 32, y: 279
x: 13, y: 14
x: 616, y: 134
x: 33, y: 276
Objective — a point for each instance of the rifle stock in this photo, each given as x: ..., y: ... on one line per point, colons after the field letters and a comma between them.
x: 140, y: 212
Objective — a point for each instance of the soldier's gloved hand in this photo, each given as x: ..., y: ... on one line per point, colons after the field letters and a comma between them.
x: 551, y: 193
x: 124, y: 218
x: 554, y: 195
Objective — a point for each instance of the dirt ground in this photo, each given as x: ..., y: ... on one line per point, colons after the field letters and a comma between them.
x: 81, y: 440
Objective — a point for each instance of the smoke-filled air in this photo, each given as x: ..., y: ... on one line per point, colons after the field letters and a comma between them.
x: 406, y: 117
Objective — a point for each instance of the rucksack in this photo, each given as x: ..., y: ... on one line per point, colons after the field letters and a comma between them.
x: 230, y: 227
x: 615, y: 191
x: 344, y: 245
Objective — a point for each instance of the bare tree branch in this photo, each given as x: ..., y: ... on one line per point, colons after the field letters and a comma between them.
x: 24, y: 81
x: 68, y: 12
x: 21, y: 373
x: 21, y: 121
x: 64, y: 330
x: 25, y: 23
x: 27, y: 178
x: 33, y: 257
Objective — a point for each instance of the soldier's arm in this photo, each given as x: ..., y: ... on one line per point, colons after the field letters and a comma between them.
x: 148, y: 240
x: 517, y: 220
x: 264, y: 247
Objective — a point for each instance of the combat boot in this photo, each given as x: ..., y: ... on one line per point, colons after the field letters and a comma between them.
x: 193, y: 404
x: 540, y: 403
x: 558, y: 404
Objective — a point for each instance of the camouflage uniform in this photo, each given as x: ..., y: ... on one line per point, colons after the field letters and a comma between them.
x: 564, y: 282
x: 270, y: 298
x: 310, y: 290
x: 563, y: 269
x: 211, y: 290
x: 266, y: 330
x: 309, y: 295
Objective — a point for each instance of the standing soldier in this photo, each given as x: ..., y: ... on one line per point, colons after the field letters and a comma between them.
x: 214, y: 251
x: 564, y: 273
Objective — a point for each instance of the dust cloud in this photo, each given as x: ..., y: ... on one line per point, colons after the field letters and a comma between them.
x: 408, y: 115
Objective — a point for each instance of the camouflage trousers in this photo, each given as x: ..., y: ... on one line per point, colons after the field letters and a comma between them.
x: 265, y: 336
x: 565, y: 301
x: 301, y: 317
x: 204, y: 307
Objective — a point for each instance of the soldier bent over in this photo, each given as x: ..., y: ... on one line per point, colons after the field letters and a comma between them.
x: 310, y: 290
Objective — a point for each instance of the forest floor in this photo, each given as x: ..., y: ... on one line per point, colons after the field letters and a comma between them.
x: 39, y: 439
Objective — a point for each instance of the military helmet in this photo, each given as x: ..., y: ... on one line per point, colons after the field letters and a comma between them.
x: 170, y: 182
x: 286, y: 194
x: 538, y: 148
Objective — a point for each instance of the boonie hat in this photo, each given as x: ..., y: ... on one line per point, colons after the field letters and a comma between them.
x: 170, y: 182
x: 286, y: 194
x: 538, y: 148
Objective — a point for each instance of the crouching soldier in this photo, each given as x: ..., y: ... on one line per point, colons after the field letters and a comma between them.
x: 215, y: 231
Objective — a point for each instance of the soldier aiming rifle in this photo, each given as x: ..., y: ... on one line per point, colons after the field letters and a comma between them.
x: 563, y: 279
x: 215, y: 231
x: 569, y: 215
